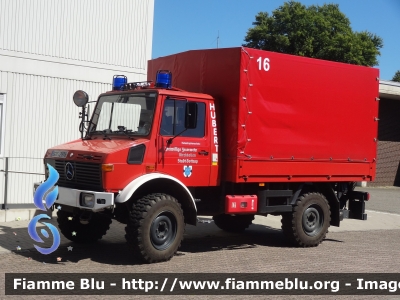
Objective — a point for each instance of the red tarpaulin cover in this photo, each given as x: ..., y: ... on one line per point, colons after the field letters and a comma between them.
x: 278, y: 107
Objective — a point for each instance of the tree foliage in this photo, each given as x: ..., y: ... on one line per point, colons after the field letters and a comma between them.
x: 316, y: 31
x: 396, y: 76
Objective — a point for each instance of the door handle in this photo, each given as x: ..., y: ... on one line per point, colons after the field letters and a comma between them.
x: 203, y: 152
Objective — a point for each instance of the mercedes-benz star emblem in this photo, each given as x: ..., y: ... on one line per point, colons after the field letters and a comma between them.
x: 69, y: 171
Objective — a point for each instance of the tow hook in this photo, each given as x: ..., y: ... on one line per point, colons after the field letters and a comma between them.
x: 85, y: 217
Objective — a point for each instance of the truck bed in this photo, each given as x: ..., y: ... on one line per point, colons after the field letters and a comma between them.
x: 284, y: 117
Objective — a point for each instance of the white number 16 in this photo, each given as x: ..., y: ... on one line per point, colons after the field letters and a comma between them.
x: 264, y: 63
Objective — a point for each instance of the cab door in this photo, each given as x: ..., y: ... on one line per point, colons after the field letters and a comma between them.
x: 187, y: 156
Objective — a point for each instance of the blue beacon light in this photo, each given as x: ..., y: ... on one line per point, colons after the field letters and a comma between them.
x: 164, y: 79
x: 119, y: 81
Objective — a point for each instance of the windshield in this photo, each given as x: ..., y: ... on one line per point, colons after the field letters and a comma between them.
x: 124, y: 114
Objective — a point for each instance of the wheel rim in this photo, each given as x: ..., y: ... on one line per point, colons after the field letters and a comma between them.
x: 313, y: 220
x: 163, y: 230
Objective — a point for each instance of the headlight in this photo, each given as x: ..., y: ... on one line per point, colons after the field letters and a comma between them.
x: 87, y: 200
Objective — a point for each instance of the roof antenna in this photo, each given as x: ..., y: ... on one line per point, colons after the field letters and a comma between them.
x: 218, y: 40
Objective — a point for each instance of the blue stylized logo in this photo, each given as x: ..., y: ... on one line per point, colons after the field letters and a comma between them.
x: 49, y: 201
x: 187, y: 171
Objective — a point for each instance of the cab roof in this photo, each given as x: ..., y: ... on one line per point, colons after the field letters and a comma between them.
x: 167, y: 92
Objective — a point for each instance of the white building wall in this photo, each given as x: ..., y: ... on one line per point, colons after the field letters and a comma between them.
x: 116, y: 33
x: 41, y: 115
x: 50, y: 49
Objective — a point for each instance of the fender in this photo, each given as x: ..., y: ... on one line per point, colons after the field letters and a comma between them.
x: 128, y: 191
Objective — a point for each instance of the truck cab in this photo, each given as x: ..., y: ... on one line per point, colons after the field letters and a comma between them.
x: 142, y: 139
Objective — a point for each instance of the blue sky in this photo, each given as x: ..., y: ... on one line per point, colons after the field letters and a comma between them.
x: 181, y: 25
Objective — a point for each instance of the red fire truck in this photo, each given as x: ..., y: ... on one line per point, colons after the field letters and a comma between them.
x: 248, y: 132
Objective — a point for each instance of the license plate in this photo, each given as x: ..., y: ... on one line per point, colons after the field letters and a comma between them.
x: 59, y: 154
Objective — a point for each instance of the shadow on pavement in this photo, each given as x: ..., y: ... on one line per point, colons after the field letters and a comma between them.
x: 113, y: 250
x: 332, y: 240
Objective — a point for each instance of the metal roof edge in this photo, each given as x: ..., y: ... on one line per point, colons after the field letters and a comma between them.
x: 389, y: 89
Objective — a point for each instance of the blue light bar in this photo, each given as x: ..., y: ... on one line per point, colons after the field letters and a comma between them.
x: 119, y: 81
x: 164, y: 79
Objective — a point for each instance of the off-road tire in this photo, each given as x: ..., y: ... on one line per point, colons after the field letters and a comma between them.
x: 85, y: 233
x: 308, y: 224
x: 155, y: 227
x: 232, y: 223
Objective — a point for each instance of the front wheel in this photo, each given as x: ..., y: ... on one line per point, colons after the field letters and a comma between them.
x: 308, y: 224
x: 155, y: 227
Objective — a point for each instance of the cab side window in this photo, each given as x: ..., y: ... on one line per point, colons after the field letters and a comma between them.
x: 167, y: 121
x: 173, y: 119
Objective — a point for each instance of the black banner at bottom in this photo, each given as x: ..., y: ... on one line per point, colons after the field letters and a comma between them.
x: 202, y: 284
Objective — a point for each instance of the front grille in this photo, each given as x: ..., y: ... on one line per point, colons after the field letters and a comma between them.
x: 89, y: 157
x: 87, y: 176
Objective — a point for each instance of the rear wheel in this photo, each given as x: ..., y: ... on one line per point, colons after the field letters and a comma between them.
x: 155, y: 227
x: 233, y: 223
x: 308, y: 224
x: 73, y: 229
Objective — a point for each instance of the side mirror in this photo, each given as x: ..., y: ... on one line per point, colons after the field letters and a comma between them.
x: 80, y: 98
x: 191, y: 115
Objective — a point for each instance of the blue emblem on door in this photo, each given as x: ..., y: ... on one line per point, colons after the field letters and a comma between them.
x: 187, y: 171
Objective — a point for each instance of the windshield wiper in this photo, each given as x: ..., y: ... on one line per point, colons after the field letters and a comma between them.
x: 125, y: 131
x: 103, y: 132
x: 106, y: 137
x: 121, y: 129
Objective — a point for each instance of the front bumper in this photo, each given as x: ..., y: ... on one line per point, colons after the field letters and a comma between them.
x: 71, y: 197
